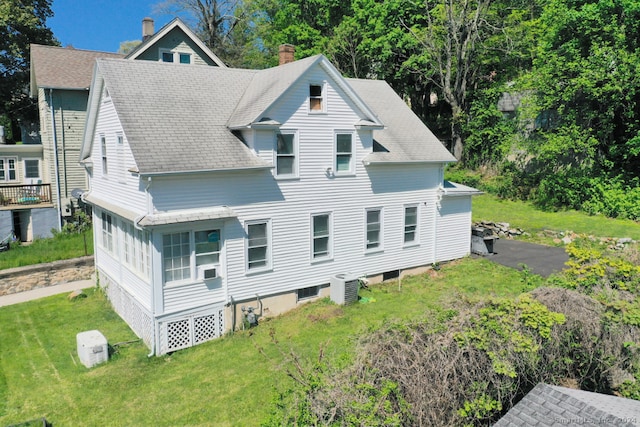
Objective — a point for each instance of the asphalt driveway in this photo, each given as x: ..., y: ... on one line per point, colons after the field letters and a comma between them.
x: 541, y: 260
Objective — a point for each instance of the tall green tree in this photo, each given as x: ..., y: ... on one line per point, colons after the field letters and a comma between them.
x: 22, y: 22
x: 587, y: 72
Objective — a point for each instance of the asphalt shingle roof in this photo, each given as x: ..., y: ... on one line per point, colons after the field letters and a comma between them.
x: 405, y: 137
x: 180, y: 119
x: 64, y: 68
x: 548, y: 405
x: 175, y: 116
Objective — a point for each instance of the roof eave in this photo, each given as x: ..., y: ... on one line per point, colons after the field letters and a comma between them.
x: 403, y: 162
x: 197, y: 171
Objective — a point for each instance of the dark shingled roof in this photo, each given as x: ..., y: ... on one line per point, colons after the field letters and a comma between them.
x: 548, y: 405
x: 63, y: 68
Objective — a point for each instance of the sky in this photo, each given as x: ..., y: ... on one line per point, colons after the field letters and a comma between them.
x: 101, y: 24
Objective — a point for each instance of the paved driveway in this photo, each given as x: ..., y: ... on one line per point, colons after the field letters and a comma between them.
x: 541, y: 260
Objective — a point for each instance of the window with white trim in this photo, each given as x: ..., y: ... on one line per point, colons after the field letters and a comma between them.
x: 8, y: 168
x: 103, y: 154
x: 374, y: 229
x: 321, y: 239
x: 258, y: 245
x: 107, y: 232
x: 316, y: 98
x: 176, y: 256
x: 31, y: 168
x: 286, y: 158
x: 344, y: 153
x: 410, y: 224
x: 207, y: 247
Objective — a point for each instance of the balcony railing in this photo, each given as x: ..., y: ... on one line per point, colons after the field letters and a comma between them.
x: 16, y: 196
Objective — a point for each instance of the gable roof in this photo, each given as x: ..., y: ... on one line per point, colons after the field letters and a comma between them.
x: 63, y: 68
x: 271, y: 84
x: 178, y: 120
x: 175, y: 118
x: 175, y: 23
x: 548, y: 405
x: 405, y: 137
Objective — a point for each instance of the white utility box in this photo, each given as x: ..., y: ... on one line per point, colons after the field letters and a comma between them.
x: 92, y: 348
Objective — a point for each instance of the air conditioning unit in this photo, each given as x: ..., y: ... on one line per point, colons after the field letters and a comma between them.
x: 344, y: 288
x: 207, y: 272
x: 92, y: 348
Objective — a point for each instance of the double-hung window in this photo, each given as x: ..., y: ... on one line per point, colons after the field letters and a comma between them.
x: 286, y: 159
x: 103, y: 153
x: 7, y: 169
x: 32, y: 168
x: 374, y: 229
x: 316, y: 98
x: 207, y: 247
x: 321, y: 240
x: 258, y: 245
x: 344, y: 153
x: 107, y: 232
x: 410, y: 224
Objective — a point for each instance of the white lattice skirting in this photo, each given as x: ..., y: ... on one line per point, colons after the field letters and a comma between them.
x: 138, y: 319
x: 188, y: 330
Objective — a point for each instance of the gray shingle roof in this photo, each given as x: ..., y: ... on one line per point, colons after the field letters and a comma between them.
x: 175, y: 116
x: 180, y: 119
x: 405, y: 137
x: 548, y: 405
x: 267, y: 86
x: 63, y: 68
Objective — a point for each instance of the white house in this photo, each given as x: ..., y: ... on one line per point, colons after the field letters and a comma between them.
x: 215, y: 188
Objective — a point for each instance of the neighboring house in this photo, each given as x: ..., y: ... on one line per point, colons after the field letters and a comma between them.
x: 60, y: 79
x: 215, y: 188
x: 25, y: 201
x: 548, y: 405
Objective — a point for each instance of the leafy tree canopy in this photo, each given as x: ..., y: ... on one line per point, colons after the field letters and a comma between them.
x: 22, y: 22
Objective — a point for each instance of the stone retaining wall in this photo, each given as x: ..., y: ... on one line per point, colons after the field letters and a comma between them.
x: 20, y: 279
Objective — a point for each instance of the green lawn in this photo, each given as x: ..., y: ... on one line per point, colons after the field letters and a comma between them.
x: 229, y: 381
x: 524, y: 215
x: 47, y: 250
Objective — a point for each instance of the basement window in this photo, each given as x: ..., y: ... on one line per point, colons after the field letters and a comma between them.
x: 306, y: 293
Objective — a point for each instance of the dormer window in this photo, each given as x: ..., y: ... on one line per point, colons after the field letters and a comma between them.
x: 316, y: 98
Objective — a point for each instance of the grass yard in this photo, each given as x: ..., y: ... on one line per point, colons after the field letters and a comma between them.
x: 47, y: 250
x: 524, y: 215
x: 229, y: 381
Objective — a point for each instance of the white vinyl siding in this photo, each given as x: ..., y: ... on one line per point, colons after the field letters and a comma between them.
x: 453, y: 228
x: 258, y: 246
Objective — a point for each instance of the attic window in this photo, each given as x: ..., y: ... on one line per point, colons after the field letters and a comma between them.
x: 173, y: 56
x: 316, y: 104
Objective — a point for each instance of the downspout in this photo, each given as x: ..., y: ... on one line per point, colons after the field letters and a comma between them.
x: 156, y: 331
x: 55, y: 156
